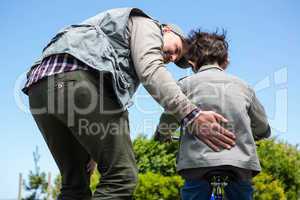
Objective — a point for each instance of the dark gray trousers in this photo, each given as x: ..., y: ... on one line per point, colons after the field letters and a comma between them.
x: 79, y: 118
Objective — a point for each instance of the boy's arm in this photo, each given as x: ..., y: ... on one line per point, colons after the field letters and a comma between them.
x: 259, y: 122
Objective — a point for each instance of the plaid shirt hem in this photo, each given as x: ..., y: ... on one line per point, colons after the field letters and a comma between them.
x: 52, y: 65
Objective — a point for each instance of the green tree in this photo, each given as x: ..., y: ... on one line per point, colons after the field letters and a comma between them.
x: 56, y: 187
x: 268, y: 188
x: 37, y: 184
x: 153, y: 186
x: 155, y: 157
x: 282, y: 162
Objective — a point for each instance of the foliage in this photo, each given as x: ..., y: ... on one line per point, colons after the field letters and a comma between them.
x: 94, y: 180
x: 57, y: 186
x: 37, y: 186
x: 267, y: 188
x: 153, y: 186
x: 281, y: 161
x: 155, y: 157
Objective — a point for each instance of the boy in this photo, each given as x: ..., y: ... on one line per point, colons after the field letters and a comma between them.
x: 213, y: 89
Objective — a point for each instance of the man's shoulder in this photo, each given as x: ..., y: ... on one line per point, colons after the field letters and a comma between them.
x: 144, y: 21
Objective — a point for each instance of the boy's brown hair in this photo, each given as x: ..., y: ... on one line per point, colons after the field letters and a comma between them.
x: 207, y: 48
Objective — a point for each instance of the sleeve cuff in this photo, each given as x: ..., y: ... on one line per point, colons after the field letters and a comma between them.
x: 189, y: 118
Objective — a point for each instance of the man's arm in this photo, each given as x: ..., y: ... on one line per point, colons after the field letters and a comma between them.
x: 146, y: 51
x: 259, y: 122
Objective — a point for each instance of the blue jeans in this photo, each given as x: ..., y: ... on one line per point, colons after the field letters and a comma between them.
x: 201, y: 190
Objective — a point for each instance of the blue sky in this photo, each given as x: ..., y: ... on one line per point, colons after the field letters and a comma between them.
x: 264, y: 41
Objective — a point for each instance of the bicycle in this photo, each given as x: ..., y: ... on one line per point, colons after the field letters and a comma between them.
x: 219, y: 179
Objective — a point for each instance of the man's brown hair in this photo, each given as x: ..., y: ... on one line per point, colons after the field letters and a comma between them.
x: 207, y: 48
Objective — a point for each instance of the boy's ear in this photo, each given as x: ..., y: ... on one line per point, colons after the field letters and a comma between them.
x: 192, y: 64
x: 225, y: 64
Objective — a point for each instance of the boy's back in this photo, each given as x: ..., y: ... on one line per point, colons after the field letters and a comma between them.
x: 211, y: 88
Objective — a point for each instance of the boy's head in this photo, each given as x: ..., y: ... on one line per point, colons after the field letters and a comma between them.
x: 207, y: 48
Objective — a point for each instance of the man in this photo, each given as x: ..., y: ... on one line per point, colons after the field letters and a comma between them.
x: 80, y: 89
x: 213, y: 89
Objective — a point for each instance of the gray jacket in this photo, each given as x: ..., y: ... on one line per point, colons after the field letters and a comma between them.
x: 213, y: 89
x: 126, y: 43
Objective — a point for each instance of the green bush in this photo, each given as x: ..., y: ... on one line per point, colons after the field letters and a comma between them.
x: 267, y: 188
x: 154, y: 157
x: 157, y: 187
x: 282, y: 162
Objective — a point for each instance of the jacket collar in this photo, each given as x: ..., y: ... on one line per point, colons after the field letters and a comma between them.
x: 209, y: 67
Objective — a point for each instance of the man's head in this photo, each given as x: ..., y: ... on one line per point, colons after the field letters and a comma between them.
x: 207, y: 48
x: 175, y: 45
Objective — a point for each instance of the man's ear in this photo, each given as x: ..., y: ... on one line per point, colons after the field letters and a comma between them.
x: 166, y: 29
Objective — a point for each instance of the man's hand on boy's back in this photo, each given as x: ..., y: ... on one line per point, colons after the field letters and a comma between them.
x: 208, y: 129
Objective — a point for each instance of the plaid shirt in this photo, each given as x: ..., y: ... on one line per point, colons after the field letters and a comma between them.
x: 51, y: 65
